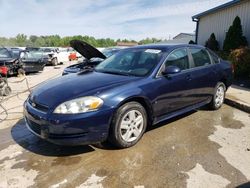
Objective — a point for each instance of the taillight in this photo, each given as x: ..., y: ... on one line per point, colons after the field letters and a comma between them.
x: 233, y: 68
x: 4, y: 70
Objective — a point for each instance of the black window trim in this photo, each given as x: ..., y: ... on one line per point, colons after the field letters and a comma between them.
x: 210, y: 52
x: 158, y: 74
x: 192, y: 60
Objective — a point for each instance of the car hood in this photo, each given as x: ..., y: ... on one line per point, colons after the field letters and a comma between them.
x: 86, y: 50
x: 59, y: 90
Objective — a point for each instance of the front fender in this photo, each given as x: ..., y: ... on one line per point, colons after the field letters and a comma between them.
x: 116, y: 100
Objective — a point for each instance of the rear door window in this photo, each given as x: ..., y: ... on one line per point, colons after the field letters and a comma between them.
x: 200, y: 57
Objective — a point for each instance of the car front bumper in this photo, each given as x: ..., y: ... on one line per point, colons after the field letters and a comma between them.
x: 74, y: 129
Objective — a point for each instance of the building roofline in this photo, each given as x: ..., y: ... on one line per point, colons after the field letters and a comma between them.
x: 223, y: 6
x: 189, y: 34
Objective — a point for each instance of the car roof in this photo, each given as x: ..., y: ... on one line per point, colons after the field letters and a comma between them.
x: 165, y: 47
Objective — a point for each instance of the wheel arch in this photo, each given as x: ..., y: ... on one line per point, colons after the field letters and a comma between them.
x: 144, y: 102
x: 225, y: 82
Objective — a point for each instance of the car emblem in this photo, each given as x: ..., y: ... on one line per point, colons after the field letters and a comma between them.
x: 33, y: 104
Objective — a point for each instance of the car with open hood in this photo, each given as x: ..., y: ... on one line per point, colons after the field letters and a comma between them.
x: 14, y: 60
x: 133, y: 89
x: 92, y: 56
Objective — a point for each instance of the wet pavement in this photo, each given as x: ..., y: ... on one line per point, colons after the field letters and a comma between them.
x: 199, y: 149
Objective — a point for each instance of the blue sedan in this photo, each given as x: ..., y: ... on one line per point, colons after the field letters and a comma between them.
x: 129, y: 91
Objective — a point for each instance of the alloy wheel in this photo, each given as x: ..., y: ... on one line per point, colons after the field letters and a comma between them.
x: 131, y: 125
x: 219, y: 96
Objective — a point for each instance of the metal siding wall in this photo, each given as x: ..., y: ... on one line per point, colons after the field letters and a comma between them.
x: 219, y: 22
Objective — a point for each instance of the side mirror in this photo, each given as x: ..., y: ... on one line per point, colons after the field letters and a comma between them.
x: 171, y: 70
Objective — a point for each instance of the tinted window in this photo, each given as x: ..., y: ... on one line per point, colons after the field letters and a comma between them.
x: 15, y: 53
x: 4, y: 53
x: 178, y: 58
x: 200, y: 57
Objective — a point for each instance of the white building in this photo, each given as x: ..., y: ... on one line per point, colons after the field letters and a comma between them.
x: 219, y: 19
x: 181, y: 38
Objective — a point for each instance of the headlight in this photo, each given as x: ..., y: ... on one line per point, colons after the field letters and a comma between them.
x: 80, y: 105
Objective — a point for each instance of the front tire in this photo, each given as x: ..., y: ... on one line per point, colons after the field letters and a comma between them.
x: 219, y: 96
x: 128, y: 125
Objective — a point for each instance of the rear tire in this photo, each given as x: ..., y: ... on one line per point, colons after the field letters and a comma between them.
x: 5, y: 90
x: 128, y: 125
x: 54, y: 61
x: 21, y: 72
x: 10, y: 72
x: 218, y: 97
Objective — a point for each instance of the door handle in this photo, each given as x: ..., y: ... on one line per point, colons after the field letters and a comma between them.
x: 214, y: 72
x: 188, y: 77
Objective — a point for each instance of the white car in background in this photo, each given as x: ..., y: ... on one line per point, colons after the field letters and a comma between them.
x: 56, y: 55
x: 62, y: 55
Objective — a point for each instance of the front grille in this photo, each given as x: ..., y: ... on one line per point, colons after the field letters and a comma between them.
x: 38, y: 106
x: 34, y: 127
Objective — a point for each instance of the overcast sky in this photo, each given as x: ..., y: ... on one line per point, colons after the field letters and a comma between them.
x: 131, y: 19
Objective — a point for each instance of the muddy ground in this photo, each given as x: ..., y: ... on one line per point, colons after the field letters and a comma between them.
x: 199, y: 149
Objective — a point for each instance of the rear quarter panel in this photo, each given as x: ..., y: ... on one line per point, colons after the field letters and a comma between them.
x: 225, y: 72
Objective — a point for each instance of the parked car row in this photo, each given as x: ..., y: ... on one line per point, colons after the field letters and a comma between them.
x: 56, y: 55
x: 18, y: 60
x: 15, y: 60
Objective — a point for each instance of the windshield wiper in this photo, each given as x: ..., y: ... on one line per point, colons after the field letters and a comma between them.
x: 86, y: 69
x: 114, y: 72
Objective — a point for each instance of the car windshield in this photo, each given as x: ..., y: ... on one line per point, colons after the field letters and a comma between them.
x: 4, y: 53
x: 131, y: 62
x: 45, y: 50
